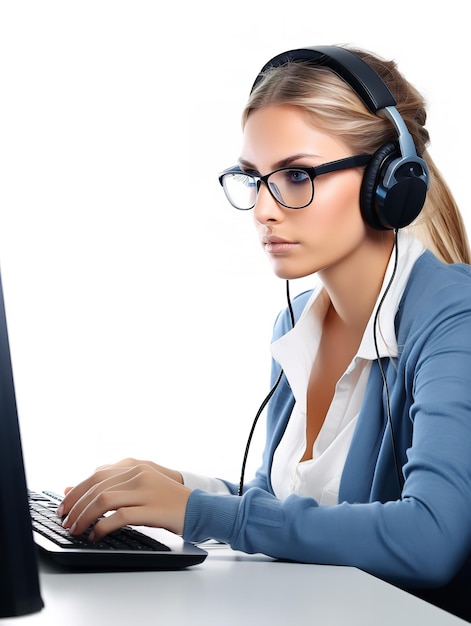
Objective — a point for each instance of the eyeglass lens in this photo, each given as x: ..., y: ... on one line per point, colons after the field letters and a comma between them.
x: 291, y: 187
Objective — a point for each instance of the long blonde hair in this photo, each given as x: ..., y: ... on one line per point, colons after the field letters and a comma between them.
x: 330, y: 103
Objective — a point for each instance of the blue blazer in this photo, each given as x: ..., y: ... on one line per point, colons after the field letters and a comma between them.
x: 420, y: 537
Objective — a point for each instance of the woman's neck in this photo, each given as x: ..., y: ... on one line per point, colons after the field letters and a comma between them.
x: 353, y: 285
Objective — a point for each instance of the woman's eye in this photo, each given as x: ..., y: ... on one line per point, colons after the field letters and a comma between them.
x: 296, y: 176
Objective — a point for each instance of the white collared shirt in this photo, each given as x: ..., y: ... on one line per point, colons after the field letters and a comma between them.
x: 296, y: 351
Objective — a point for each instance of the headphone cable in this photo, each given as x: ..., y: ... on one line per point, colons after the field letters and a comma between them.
x: 400, y: 479
x: 264, y: 403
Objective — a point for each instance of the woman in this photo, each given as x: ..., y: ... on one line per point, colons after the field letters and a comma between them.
x: 368, y: 454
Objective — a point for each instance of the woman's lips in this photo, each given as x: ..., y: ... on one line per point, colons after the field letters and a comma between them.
x: 277, y: 245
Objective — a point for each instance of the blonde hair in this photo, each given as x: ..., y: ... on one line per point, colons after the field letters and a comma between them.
x: 330, y: 103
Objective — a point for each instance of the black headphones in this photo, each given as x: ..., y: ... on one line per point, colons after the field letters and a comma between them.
x: 396, y: 178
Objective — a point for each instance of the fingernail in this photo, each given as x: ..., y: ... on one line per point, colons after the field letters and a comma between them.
x: 91, y: 536
x: 60, y: 511
x: 73, y: 528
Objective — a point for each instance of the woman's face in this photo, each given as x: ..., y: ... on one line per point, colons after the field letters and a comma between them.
x: 328, y: 231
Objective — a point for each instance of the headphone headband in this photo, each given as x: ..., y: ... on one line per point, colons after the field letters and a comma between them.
x: 346, y: 64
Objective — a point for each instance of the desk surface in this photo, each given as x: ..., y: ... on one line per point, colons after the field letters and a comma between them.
x: 229, y: 589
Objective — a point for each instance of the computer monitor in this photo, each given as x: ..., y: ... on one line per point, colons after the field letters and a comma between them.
x: 19, y: 580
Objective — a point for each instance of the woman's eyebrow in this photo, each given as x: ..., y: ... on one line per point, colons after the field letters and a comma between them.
x: 282, y: 163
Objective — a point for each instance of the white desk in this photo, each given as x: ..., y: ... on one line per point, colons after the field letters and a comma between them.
x: 229, y: 589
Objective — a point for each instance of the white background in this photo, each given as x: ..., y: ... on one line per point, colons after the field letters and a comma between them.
x: 140, y: 305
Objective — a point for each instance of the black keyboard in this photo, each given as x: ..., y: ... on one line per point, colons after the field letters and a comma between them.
x: 125, y: 549
x: 46, y: 522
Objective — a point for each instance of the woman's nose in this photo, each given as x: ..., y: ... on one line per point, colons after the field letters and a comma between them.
x: 266, y: 207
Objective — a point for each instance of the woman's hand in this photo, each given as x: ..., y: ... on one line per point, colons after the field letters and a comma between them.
x: 135, y: 492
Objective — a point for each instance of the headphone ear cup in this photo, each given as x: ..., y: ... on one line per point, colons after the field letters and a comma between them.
x: 371, y: 181
x: 389, y: 208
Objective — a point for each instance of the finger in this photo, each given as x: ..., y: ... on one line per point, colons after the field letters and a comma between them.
x: 80, y: 489
x: 117, y: 520
x: 75, y: 494
x: 132, y: 503
x: 102, y: 497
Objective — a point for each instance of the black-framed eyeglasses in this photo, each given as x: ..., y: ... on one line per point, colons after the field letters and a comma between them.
x: 292, y: 187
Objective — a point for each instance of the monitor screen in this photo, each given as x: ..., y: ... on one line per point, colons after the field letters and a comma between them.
x: 19, y: 586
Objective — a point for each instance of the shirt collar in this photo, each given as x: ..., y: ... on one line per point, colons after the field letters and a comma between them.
x: 295, y: 351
